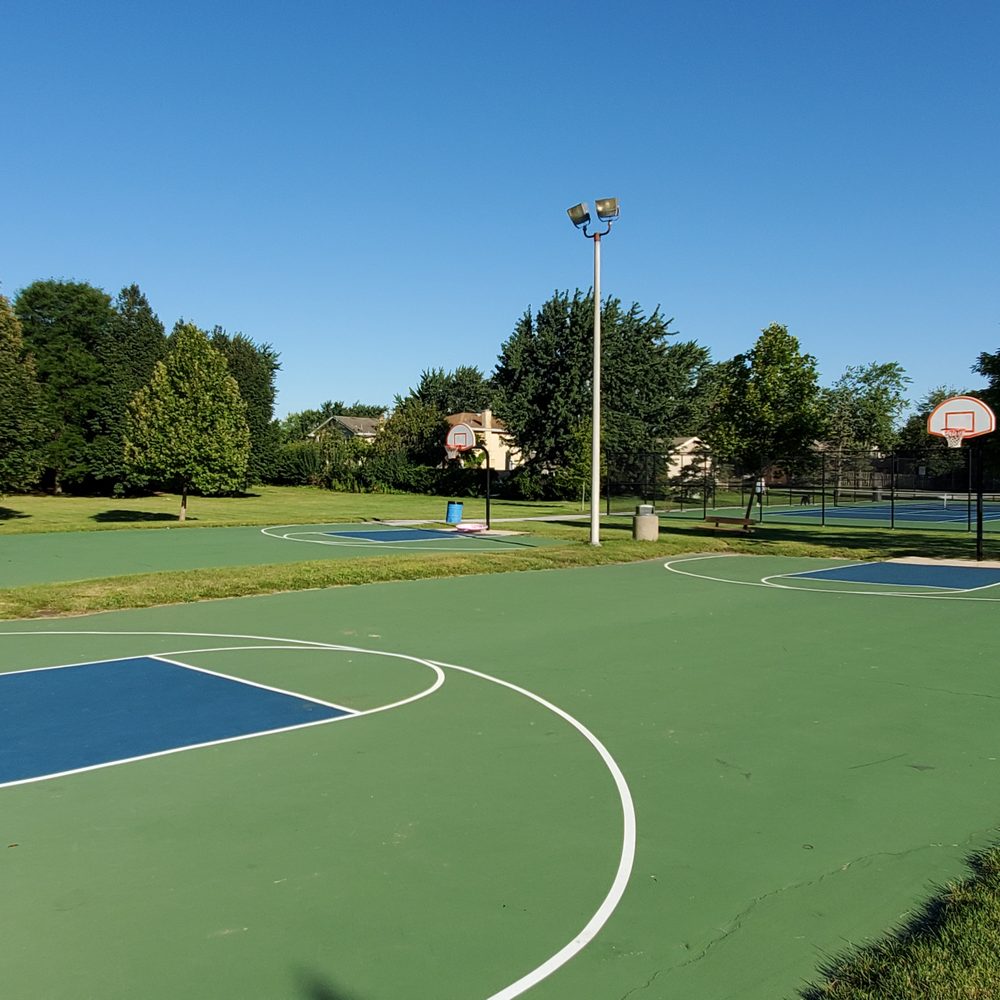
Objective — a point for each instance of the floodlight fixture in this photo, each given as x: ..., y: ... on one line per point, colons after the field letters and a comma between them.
x: 607, y: 209
x: 607, y: 212
x: 579, y: 215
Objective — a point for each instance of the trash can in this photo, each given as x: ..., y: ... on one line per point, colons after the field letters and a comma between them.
x: 645, y: 524
x: 453, y: 515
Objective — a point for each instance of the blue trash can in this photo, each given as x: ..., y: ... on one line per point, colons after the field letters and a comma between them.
x: 454, y: 513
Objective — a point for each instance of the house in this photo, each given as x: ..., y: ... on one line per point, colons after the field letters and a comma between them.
x: 363, y: 428
x: 689, y: 456
x: 492, y: 434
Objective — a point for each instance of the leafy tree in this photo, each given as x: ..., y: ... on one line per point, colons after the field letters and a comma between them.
x: 188, y: 425
x: 929, y: 451
x: 22, y: 429
x: 63, y: 323
x: 861, y: 411
x: 254, y: 367
x: 465, y: 389
x: 650, y: 388
x: 988, y: 365
x: 416, y: 430
x: 127, y: 350
x: 769, y: 405
x: 864, y: 405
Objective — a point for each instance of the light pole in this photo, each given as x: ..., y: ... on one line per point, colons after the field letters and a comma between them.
x: 607, y: 211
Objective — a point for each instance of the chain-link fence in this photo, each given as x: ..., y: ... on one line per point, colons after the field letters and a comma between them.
x: 936, y: 488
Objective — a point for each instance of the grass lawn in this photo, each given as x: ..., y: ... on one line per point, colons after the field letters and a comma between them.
x: 264, y: 505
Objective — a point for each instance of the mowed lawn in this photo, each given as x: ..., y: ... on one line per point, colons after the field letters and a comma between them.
x: 262, y: 505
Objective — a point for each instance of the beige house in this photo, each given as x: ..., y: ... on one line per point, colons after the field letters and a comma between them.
x: 688, y: 454
x: 492, y: 435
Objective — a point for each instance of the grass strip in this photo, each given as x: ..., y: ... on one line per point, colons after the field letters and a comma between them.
x: 949, y: 950
x: 185, y: 586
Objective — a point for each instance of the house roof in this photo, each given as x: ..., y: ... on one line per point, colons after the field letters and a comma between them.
x: 475, y: 421
x: 355, y: 426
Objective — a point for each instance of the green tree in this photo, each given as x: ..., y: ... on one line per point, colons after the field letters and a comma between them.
x: 463, y: 390
x: 22, y: 428
x: 63, y: 323
x: 862, y: 408
x: 255, y: 367
x: 926, y: 450
x: 127, y: 350
x: 988, y: 365
x: 861, y: 413
x: 768, y: 406
x: 188, y: 425
x: 416, y: 430
x: 650, y: 387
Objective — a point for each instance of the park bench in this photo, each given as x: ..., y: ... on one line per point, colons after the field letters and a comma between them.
x: 746, y: 523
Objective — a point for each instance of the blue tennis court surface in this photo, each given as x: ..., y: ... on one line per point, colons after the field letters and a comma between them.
x: 74, y: 717
x: 910, y: 575
x: 397, y: 534
x: 956, y: 511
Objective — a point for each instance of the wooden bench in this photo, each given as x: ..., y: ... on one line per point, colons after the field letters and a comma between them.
x: 746, y: 523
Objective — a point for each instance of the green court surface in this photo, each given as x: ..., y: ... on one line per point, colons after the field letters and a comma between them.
x: 92, y: 555
x: 792, y: 767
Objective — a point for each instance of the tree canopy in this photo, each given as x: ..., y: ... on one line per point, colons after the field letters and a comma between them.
x: 188, y: 425
x: 22, y: 427
x: 254, y: 366
x: 863, y: 407
x: 63, y: 323
x: 769, y: 404
x: 463, y: 390
x: 650, y: 388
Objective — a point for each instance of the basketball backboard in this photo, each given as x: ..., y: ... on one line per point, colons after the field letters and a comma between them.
x: 961, y: 417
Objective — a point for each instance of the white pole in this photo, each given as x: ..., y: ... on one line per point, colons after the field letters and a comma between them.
x: 595, y: 445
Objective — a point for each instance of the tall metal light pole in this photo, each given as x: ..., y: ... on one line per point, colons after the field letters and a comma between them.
x: 607, y: 212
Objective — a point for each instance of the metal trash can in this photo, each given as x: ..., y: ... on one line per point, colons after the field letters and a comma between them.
x: 453, y: 515
x: 645, y: 524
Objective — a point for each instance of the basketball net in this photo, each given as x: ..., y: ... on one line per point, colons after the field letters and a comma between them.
x: 450, y: 453
x: 954, y: 436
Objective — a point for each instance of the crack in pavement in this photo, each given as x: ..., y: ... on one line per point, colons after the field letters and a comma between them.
x: 644, y: 986
x: 737, y: 922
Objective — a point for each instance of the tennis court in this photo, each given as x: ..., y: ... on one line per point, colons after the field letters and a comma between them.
x: 691, y: 780
x: 862, y: 508
x: 90, y: 555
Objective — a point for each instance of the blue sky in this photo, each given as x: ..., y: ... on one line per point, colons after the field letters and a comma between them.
x: 375, y: 189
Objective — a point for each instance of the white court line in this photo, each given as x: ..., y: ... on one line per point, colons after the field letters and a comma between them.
x: 360, y: 543
x: 240, y: 680
x: 626, y: 859
x: 627, y: 854
x: 351, y: 714
x: 766, y: 581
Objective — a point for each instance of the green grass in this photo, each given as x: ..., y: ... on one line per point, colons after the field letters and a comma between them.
x: 950, y: 949
x: 185, y: 586
x: 264, y: 505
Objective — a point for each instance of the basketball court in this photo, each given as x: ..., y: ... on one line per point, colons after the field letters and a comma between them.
x: 697, y: 779
x: 91, y: 555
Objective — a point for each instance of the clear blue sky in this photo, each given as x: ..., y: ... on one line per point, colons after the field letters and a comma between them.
x: 376, y: 189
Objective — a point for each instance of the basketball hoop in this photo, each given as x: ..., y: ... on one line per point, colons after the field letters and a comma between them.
x: 954, y: 436
x: 461, y: 438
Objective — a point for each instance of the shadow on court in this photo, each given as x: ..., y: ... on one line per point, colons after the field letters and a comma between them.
x: 133, y: 516
x: 314, y: 987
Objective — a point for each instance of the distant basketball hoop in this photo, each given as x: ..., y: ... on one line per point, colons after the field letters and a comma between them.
x: 961, y: 417
x: 461, y: 438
